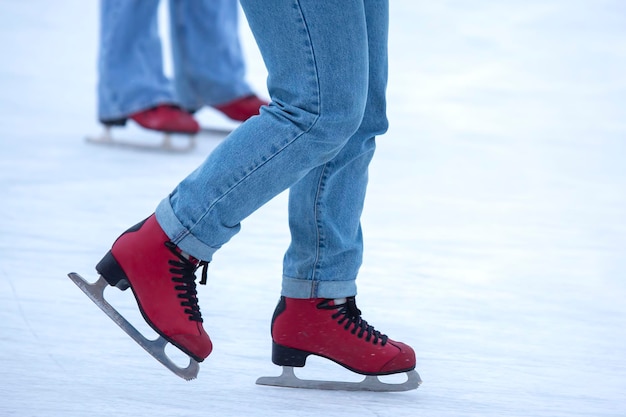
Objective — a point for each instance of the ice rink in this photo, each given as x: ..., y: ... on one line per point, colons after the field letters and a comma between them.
x: 495, y: 225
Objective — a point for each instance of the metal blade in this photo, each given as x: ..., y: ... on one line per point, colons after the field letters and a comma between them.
x: 105, y: 138
x: 156, y: 348
x: 371, y: 382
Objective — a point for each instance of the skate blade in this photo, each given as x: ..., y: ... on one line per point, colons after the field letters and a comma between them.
x: 166, y: 144
x: 371, y: 383
x: 156, y: 347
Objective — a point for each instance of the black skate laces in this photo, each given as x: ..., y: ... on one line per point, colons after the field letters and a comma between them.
x: 184, y: 271
x: 350, y: 316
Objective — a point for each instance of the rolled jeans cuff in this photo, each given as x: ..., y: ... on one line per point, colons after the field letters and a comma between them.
x: 179, y: 235
x: 307, y: 288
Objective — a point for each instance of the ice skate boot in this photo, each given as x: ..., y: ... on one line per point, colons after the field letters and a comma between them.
x: 162, y: 279
x: 242, y: 108
x: 167, y: 118
x: 334, y: 329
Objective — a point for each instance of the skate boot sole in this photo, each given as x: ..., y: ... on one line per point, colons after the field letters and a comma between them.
x: 289, y: 358
x: 285, y: 356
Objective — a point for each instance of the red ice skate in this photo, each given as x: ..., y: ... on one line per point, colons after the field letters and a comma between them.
x: 243, y: 108
x: 162, y: 279
x: 167, y: 118
x: 334, y: 329
x: 163, y: 282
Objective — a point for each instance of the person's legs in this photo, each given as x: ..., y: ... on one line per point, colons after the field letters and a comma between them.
x: 130, y: 62
x: 320, y: 93
x: 209, y: 66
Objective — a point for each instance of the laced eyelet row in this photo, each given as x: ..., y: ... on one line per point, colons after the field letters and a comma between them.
x: 349, y: 316
x: 183, y: 273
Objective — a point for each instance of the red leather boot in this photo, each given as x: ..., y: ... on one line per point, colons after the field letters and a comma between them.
x: 334, y: 330
x: 167, y: 118
x: 242, y: 108
x: 163, y: 282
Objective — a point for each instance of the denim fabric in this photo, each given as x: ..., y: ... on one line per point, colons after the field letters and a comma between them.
x: 327, y: 66
x: 207, y: 58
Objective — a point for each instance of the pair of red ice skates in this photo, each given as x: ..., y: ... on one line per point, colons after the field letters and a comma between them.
x: 170, y: 118
x: 173, y: 120
x: 162, y: 279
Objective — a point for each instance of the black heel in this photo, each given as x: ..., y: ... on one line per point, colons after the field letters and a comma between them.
x: 284, y: 356
x: 112, y: 272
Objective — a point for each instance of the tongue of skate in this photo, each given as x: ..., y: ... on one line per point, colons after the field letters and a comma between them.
x: 199, y: 263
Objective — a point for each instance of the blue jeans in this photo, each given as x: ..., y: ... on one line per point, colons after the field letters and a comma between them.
x: 327, y: 66
x: 208, y: 63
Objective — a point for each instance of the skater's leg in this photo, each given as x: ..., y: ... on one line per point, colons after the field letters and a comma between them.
x: 209, y: 66
x: 317, y: 313
x: 319, y: 92
x: 325, y: 206
x: 130, y: 61
x: 326, y: 247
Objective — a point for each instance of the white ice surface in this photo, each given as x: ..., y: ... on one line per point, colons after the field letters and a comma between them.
x: 495, y: 225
